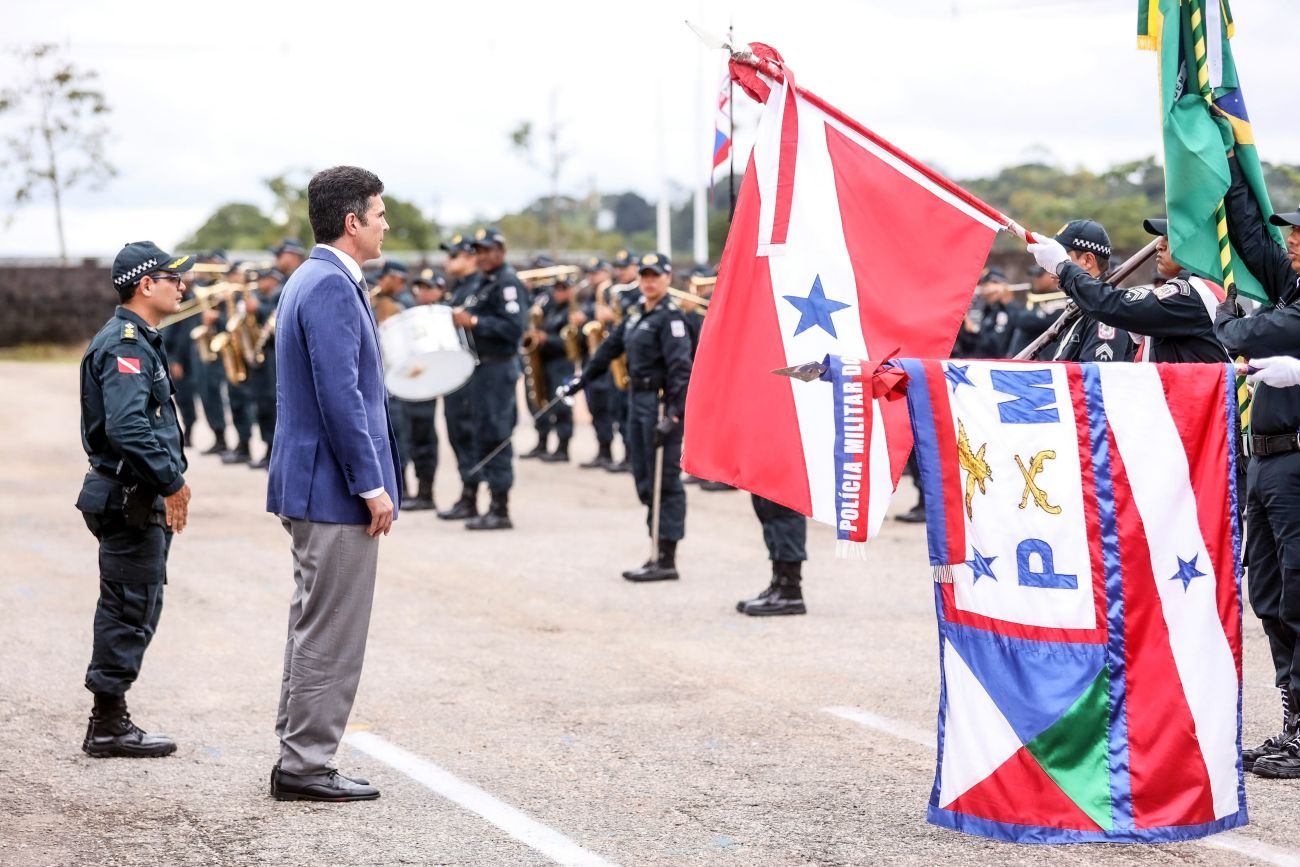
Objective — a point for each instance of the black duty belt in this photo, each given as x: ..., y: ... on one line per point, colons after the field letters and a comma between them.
x: 495, y: 359
x: 1263, y: 446
x: 645, y: 383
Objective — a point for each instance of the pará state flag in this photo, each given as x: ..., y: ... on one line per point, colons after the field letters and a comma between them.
x: 843, y: 245
x: 1082, y: 521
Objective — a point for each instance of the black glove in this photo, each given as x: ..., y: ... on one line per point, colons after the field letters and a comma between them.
x: 664, y: 428
x: 1229, y: 308
x: 571, y: 386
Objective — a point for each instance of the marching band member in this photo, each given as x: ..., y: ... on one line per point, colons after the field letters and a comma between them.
x: 463, y: 279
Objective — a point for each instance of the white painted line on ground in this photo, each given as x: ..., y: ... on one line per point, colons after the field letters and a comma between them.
x: 1230, y: 841
x: 525, y: 829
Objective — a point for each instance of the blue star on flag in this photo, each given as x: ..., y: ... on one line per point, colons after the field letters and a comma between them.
x: 1187, y: 571
x: 981, y: 566
x: 816, y: 309
x: 956, y: 375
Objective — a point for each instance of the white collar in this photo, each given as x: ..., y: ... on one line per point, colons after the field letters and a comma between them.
x: 354, y: 268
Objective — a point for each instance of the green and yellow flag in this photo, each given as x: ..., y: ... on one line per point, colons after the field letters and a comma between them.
x: 1202, y: 113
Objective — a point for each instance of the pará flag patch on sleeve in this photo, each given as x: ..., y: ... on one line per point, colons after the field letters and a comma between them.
x: 1082, y: 524
x: 128, y: 365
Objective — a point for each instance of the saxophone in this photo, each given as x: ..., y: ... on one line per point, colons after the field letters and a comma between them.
x: 618, y: 367
x: 596, y: 332
x: 228, y: 345
x: 572, y: 334
x: 531, y: 349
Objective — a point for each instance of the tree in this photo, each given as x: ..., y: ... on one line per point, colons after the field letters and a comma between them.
x: 408, y: 228
x: 290, y: 210
x: 59, y: 140
x: 235, y: 226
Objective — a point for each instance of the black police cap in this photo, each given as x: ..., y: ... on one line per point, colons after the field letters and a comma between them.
x: 542, y: 262
x: 290, y: 245
x: 142, y: 258
x: 392, y: 266
x: 657, y: 263
x: 1290, y: 218
x: 623, y: 258
x: 489, y: 236
x: 430, y: 278
x: 992, y: 275
x: 1085, y: 236
x: 1156, y: 226
x: 456, y: 244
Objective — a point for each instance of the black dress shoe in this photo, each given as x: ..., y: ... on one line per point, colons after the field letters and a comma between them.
x: 275, y: 775
x: 490, y: 521
x: 559, y: 456
x: 620, y: 467
x: 119, y: 737
x: 916, y: 515
x: 536, y: 451
x: 261, y: 464
x: 464, y: 509
x: 217, y: 448
x: 330, y: 786
x: 601, y: 461
x: 237, y: 456
x: 709, y: 485
x: 652, y: 572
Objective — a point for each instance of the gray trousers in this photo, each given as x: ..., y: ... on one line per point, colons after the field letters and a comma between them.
x: 329, y: 617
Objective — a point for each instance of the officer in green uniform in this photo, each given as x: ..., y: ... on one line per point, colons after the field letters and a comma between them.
x: 134, y: 496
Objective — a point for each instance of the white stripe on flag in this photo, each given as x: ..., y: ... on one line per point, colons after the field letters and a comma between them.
x: 767, y: 164
x: 1160, y: 483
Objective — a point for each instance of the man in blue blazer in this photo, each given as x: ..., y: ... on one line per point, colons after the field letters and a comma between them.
x: 333, y: 480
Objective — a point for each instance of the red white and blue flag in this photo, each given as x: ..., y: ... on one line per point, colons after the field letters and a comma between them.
x: 1082, y: 522
x: 721, y: 128
x: 840, y: 245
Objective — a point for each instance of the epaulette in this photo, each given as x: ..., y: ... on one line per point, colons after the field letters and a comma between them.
x: 128, y: 331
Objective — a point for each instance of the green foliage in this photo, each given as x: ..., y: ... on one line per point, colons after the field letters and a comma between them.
x: 408, y: 228
x: 236, y: 226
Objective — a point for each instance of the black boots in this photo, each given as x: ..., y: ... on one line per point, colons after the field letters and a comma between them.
x: 559, y: 456
x: 111, y: 733
x: 603, y: 459
x: 219, y: 447
x: 423, y: 499
x: 497, y: 516
x: 915, y: 515
x: 240, y: 454
x: 466, y: 507
x: 538, y: 450
x: 783, y: 596
x: 664, y: 568
x: 1279, y: 756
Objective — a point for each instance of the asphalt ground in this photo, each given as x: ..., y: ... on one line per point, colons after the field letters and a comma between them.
x: 521, y: 703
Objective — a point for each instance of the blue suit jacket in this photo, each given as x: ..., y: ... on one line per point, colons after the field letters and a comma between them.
x: 333, y: 438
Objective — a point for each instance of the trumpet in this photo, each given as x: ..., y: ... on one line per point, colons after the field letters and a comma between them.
x: 689, y: 297
x: 549, y: 276
x: 204, y: 298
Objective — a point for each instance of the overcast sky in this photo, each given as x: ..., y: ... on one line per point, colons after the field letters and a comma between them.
x: 210, y: 98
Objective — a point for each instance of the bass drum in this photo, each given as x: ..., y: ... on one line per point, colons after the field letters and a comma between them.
x: 426, y: 355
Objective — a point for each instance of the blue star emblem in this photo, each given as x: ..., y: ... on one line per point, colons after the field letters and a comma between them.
x: 816, y: 309
x: 956, y: 375
x: 981, y: 566
x: 1187, y: 571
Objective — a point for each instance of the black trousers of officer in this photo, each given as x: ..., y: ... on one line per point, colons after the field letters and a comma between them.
x: 785, y: 531
x: 419, y: 441
x: 600, y: 403
x: 560, y: 417
x: 261, y: 388
x: 458, y: 413
x: 492, y: 394
x: 242, y: 409
x: 1273, y: 554
x: 208, y: 380
x: 132, y: 574
x: 186, y: 393
x: 643, y: 415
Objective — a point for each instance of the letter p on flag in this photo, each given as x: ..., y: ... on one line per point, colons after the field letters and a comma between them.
x: 821, y: 260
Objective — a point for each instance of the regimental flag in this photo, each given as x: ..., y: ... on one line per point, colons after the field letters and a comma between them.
x: 721, y: 128
x: 1195, y: 60
x: 825, y: 256
x: 1082, y: 519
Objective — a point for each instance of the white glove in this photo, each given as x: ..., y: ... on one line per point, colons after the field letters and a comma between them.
x: 1049, y: 254
x: 1280, y: 371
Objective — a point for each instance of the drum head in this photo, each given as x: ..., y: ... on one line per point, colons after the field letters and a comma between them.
x: 429, y: 375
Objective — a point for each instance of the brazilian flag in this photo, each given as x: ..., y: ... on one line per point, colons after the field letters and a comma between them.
x: 1202, y: 113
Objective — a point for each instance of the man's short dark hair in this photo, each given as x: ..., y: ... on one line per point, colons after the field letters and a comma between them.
x: 334, y: 193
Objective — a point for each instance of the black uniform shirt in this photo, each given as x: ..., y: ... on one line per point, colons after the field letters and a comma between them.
x: 659, y: 349
x: 128, y: 419
x: 1086, y: 339
x: 499, y: 302
x: 460, y: 291
x: 1271, y: 331
x: 1173, y: 317
x: 554, y: 317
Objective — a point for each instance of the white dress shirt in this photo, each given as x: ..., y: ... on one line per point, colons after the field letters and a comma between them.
x: 354, y: 269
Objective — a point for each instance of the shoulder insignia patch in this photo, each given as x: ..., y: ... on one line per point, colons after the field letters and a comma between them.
x: 510, y: 293
x: 128, y: 331
x: 1137, y: 293
x: 128, y: 365
x: 512, y: 307
x: 677, y: 327
x: 1105, y: 332
x: 1104, y: 353
x: 1169, y: 290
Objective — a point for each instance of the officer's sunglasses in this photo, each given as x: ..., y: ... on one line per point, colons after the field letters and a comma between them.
x: 164, y: 276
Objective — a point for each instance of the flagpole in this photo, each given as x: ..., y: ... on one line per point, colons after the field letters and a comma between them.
x: 731, y: 122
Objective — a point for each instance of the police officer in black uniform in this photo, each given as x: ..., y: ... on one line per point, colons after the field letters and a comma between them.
x: 421, y: 415
x: 990, y: 325
x: 1273, y: 477
x: 463, y: 279
x: 625, y: 294
x: 1083, y: 245
x: 496, y: 313
x: 600, y: 399
x: 658, y: 347
x: 1175, y: 318
x: 260, y: 304
x: 179, y: 348
x: 134, y: 496
x: 239, y: 395
x: 785, y: 532
x: 558, y: 367
x: 209, y: 376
